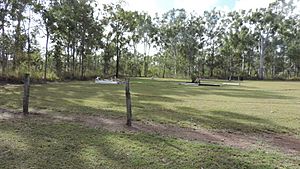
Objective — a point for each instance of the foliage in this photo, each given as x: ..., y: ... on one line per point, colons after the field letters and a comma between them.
x: 104, y: 40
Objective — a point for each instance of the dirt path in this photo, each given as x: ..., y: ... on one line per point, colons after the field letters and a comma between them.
x: 285, y: 143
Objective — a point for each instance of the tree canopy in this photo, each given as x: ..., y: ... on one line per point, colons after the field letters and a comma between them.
x: 83, y: 39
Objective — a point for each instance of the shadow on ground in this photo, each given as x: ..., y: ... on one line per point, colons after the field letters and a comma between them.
x: 38, y: 143
x: 83, y: 98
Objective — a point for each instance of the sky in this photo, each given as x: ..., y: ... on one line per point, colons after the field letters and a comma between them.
x: 197, y: 6
x: 194, y: 6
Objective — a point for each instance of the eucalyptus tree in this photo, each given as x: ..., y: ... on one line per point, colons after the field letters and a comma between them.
x: 290, y: 33
x: 192, y: 41
x: 17, y: 16
x: 136, y: 33
x: 72, y: 24
x: 147, y: 31
x: 164, y: 62
x: 199, y: 30
x: 6, y: 6
x: 120, y: 27
x: 109, y: 50
x: 237, y: 43
x: 265, y: 40
x: 170, y: 33
x: 264, y: 21
x: 135, y: 39
x: 213, y: 33
x: 287, y: 37
x: 89, y: 31
x: 48, y: 20
x: 53, y: 19
x: 108, y: 39
x: 293, y: 52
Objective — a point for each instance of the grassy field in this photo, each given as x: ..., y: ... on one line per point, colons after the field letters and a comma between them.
x: 253, y: 108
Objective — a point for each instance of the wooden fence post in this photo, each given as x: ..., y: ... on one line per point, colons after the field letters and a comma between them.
x: 128, y: 103
x: 26, y: 94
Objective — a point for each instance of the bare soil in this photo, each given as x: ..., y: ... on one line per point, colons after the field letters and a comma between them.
x: 268, y: 141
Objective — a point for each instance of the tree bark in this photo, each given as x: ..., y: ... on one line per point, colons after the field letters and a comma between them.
x: 212, y: 60
x: 145, y: 66
x: 175, y: 57
x: 261, y: 59
x: 128, y: 103
x: 3, y: 58
x: 68, y: 52
x: 3, y: 50
x: 18, y: 48
x: 146, y: 45
x: 28, y: 43
x: 82, y: 61
x: 46, y: 54
x: 26, y: 94
x: 118, y: 56
x: 82, y: 53
x: 73, y: 59
x: 164, y: 71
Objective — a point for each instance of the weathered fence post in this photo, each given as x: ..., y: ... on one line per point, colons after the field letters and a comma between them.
x: 128, y: 102
x: 26, y: 94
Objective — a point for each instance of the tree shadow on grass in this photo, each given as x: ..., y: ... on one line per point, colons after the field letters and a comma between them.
x: 88, y: 99
x: 54, y: 146
x: 232, y: 121
x: 172, y: 88
x: 222, y: 91
x: 69, y: 145
x: 205, y: 156
x: 146, y: 108
x: 255, y: 94
x: 217, y: 120
x: 92, y: 99
x: 57, y: 95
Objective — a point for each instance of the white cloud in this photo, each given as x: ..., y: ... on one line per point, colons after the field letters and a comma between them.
x: 252, y: 4
x: 225, y: 8
x: 297, y: 10
x: 197, y: 6
x: 151, y: 6
x: 155, y: 6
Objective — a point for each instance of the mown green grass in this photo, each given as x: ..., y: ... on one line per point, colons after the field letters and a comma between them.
x: 254, y: 107
x: 38, y: 143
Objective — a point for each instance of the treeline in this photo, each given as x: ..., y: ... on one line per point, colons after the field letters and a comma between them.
x: 83, y: 39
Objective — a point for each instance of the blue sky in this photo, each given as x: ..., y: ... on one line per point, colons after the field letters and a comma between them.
x: 229, y: 3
